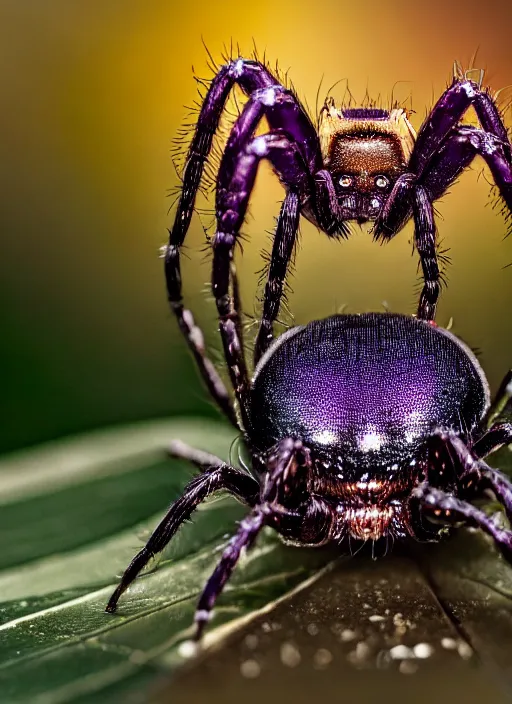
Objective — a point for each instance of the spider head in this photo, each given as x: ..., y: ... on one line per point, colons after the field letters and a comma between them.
x: 366, y: 150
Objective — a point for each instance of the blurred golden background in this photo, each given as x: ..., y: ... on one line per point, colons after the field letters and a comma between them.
x: 92, y: 94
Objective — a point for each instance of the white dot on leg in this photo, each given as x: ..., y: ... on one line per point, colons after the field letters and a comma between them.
x: 259, y: 146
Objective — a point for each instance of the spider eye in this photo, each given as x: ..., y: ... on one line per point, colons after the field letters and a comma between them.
x: 345, y: 181
x: 381, y: 181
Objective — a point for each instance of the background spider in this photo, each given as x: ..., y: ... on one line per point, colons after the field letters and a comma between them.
x: 358, y: 427
x: 364, y: 164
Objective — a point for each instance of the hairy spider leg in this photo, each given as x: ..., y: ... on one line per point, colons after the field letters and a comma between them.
x: 443, y: 148
x: 237, y: 302
x: 456, y: 154
x: 231, y: 206
x: 319, y: 188
x: 232, y: 194
x: 287, y: 118
x: 407, y: 194
x: 476, y: 474
x: 425, y: 240
x: 195, y: 339
x: 439, y: 503
x: 284, y: 115
x: 288, y: 466
x: 248, y: 530
x: 250, y: 76
x: 326, y: 205
x: 498, y: 435
x: 444, y: 117
x: 282, y: 252
x: 216, y: 475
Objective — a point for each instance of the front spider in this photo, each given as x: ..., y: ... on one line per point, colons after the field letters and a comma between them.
x: 359, y: 427
x: 364, y: 164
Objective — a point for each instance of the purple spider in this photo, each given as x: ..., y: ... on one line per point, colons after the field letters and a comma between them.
x: 364, y: 164
x: 359, y: 427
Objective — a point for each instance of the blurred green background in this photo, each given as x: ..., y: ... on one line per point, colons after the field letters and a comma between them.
x: 92, y: 92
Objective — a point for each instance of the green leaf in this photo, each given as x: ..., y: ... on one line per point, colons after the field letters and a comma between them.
x: 72, y: 515
x: 428, y: 623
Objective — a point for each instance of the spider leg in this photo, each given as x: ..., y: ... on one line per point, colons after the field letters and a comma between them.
x: 327, y: 215
x: 244, y: 538
x: 251, y: 76
x: 442, y: 150
x: 326, y: 209
x: 282, y: 252
x: 445, y: 116
x: 475, y: 473
x: 425, y: 240
x: 498, y: 435
x: 231, y: 206
x: 204, y: 461
x: 286, y: 117
x: 457, y: 153
x: 440, y: 504
x: 396, y: 210
x: 454, y: 155
x: 287, y: 468
x: 237, y: 303
x: 195, y: 339
x: 216, y: 475
x: 407, y: 194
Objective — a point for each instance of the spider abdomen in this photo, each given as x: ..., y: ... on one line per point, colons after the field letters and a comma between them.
x: 368, y: 387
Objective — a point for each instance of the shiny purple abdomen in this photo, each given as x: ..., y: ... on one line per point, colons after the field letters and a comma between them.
x: 369, y: 387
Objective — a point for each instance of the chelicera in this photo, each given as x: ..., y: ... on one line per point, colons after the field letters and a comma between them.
x: 362, y: 164
x: 370, y: 427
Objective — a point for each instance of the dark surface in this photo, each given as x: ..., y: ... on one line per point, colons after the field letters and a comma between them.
x: 334, y: 641
x: 58, y: 645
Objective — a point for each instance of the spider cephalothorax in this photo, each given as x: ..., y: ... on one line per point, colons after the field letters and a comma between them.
x: 363, y: 164
x: 365, y: 151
